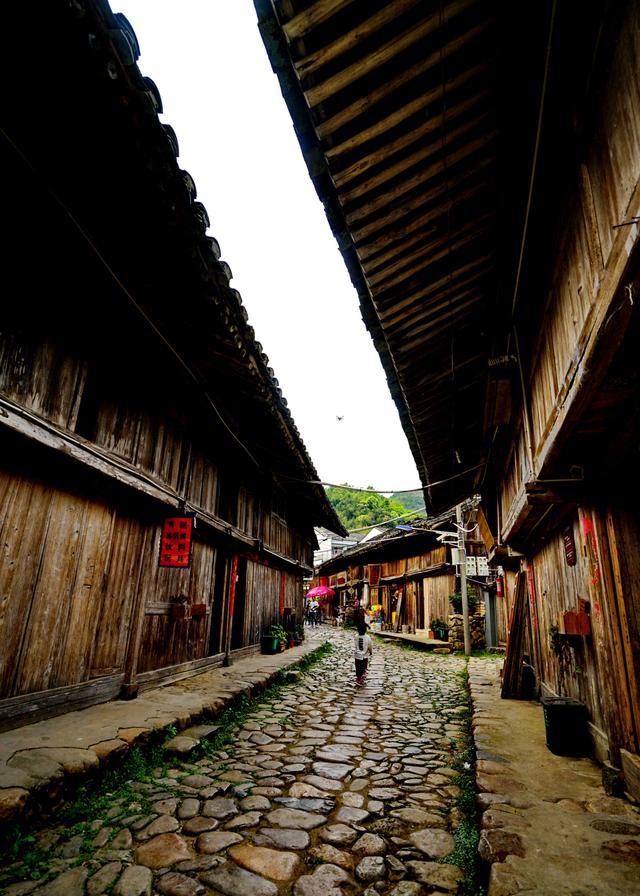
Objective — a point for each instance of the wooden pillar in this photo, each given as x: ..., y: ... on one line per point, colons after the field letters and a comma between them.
x: 129, y: 688
x: 231, y: 596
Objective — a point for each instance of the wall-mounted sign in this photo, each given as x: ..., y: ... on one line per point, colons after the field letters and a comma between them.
x: 175, y: 544
x: 569, y: 546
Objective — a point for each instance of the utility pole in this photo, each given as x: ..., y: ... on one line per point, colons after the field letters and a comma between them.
x: 462, y: 557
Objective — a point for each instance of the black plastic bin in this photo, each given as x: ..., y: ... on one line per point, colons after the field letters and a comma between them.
x: 565, y: 722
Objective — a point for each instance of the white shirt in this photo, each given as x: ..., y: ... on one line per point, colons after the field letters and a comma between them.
x: 367, y: 647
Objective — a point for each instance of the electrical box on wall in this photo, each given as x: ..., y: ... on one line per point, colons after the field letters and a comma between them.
x: 471, y: 566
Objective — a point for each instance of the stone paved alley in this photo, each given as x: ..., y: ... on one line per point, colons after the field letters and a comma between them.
x: 325, y: 789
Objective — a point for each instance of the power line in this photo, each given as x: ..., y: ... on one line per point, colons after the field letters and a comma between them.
x: 384, y: 522
x: 85, y: 236
x: 381, y: 491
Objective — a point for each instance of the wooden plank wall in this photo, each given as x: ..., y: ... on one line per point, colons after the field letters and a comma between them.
x: 590, y: 253
x: 262, y: 607
x: 76, y: 553
x: 437, y: 590
x: 504, y: 605
x: 598, y: 676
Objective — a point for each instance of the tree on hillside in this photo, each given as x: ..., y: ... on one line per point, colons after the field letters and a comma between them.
x: 410, y: 500
x: 359, y: 509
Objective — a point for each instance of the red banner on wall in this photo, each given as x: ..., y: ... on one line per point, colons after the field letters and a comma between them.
x: 175, y: 544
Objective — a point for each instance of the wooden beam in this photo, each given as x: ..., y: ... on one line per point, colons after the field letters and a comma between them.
x: 466, y: 310
x: 305, y: 21
x: 415, y: 135
x: 348, y: 40
x: 29, y: 708
x: 100, y: 460
x: 432, y: 150
x: 359, y: 106
x: 451, y: 192
x: 136, y: 623
x: 424, y: 176
x: 346, y: 77
x: 397, y: 312
x: 410, y: 264
x: 432, y: 315
x: 362, y: 136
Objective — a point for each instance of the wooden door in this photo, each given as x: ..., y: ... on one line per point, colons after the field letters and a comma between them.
x: 218, y: 613
x: 239, y: 605
x: 623, y: 537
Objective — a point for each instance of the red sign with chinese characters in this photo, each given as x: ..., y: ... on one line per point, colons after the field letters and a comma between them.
x: 175, y: 545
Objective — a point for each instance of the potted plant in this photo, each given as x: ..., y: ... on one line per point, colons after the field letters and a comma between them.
x: 269, y: 643
x: 440, y: 629
x: 299, y: 634
x: 282, y: 636
x: 179, y: 607
x: 455, y: 600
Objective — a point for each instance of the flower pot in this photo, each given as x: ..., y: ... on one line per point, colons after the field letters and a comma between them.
x: 292, y: 642
x: 198, y: 611
x: 268, y: 644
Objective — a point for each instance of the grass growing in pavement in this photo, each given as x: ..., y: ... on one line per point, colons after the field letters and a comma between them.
x: 24, y: 856
x: 467, y: 833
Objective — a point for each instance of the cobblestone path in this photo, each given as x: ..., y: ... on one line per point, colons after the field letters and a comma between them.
x: 326, y: 789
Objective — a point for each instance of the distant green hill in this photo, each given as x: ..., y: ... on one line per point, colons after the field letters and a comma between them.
x: 358, y: 509
x: 410, y: 500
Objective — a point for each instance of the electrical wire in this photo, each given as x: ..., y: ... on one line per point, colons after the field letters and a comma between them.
x: 381, y: 491
x: 89, y: 241
x: 85, y: 236
x: 534, y: 162
x: 393, y: 519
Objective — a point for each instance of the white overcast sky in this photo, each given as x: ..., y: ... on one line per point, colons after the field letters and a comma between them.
x: 237, y: 141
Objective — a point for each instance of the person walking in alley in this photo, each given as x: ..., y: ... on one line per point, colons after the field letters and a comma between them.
x: 363, y: 650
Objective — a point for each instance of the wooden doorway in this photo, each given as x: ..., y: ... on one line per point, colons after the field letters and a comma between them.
x: 421, y: 617
x: 623, y: 537
x: 216, y: 637
x: 239, y: 604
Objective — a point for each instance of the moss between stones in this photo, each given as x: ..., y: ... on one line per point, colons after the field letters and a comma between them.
x: 467, y: 833
x: 25, y: 859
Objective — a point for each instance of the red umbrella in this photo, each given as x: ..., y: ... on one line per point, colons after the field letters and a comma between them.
x: 321, y: 591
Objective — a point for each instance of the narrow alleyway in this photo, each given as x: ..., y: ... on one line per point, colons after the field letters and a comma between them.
x: 325, y: 788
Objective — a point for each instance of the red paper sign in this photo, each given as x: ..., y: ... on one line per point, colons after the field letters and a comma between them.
x: 175, y: 545
x: 569, y: 546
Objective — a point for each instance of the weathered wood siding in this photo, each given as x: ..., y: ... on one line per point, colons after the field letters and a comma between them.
x: 80, y: 556
x: 590, y: 257
x: 598, y: 676
x: 262, y: 607
x: 437, y: 590
x: 504, y: 605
